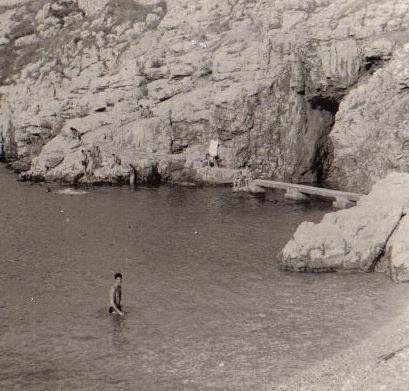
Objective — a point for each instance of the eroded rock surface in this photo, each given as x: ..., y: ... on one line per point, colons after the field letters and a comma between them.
x: 371, y: 233
x: 371, y: 132
x: 396, y: 259
x: 149, y: 83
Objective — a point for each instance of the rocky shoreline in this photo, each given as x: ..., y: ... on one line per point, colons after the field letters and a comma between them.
x: 377, y: 363
x: 298, y: 91
x: 371, y: 236
x: 137, y: 91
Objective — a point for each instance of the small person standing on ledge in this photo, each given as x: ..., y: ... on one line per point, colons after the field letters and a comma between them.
x: 84, y: 163
x: 213, y: 155
x: 115, y: 295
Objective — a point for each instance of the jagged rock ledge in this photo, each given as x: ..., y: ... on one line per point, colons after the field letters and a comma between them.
x: 372, y: 236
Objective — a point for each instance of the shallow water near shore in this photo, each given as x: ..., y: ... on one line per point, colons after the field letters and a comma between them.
x: 207, y: 306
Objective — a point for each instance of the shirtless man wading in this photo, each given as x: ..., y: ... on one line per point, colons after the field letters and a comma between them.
x: 115, y: 296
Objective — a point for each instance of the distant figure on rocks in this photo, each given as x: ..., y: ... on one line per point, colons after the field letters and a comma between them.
x: 116, y: 168
x: 84, y: 162
x: 94, y: 154
x: 132, y: 176
x: 145, y: 111
x: 213, y: 154
x: 248, y: 178
x: 116, y: 160
x: 242, y: 180
x: 238, y: 181
x: 115, y: 296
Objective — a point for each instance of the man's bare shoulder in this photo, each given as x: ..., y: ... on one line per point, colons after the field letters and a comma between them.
x: 113, y: 289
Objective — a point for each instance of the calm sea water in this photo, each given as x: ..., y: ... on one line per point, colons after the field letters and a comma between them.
x: 206, y: 311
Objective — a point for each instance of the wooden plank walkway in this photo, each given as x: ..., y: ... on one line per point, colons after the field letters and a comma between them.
x: 298, y: 192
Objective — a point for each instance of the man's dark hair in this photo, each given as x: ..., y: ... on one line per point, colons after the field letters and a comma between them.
x: 117, y: 275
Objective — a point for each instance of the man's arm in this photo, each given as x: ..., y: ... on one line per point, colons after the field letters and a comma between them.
x: 112, y: 301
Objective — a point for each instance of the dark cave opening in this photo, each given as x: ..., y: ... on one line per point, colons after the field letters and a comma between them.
x: 324, y: 155
x: 329, y: 104
x: 372, y: 63
x: 324, y: 150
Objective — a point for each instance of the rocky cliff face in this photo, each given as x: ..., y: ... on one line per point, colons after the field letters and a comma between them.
x: 102, y: 90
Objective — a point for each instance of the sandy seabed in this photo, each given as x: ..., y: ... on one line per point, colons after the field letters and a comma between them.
x: 379, y: 362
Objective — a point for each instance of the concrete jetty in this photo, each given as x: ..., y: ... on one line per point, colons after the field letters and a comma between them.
x: 299, y: 192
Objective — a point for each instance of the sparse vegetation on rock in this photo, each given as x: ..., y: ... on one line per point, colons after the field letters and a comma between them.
x: 282, y: 85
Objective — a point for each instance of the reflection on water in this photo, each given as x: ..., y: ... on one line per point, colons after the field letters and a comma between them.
x: 118, y: 339
x: 208, y: 307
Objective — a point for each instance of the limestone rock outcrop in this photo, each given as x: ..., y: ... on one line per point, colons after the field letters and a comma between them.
x: 146, y: 84
x: 371, y: 133
x: 371, y: 235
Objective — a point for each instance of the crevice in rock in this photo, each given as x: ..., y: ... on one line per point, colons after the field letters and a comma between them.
x: 178, y: 149
x: 379, y: 258
x: 165, y: 98
x: 322, y: 103
x: 330, y: 103
x: 324, y: 155
x: 372, y: 63
x: 154, y: 177
x: 324, y: 150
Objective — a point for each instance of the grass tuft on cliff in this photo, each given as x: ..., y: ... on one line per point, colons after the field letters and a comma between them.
x: 47, y: 49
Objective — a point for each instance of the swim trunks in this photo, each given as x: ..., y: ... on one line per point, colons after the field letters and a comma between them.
x: 112, y: 309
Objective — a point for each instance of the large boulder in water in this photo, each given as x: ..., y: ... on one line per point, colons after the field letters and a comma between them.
x: 356, y: 238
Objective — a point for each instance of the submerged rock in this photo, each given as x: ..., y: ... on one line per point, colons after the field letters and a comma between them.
x: 357, y: 238
x: 70, y: 191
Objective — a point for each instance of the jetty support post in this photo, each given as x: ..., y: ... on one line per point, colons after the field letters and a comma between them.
x: 253, y: 188
x: 294, y: 194
x: 342, y: 203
